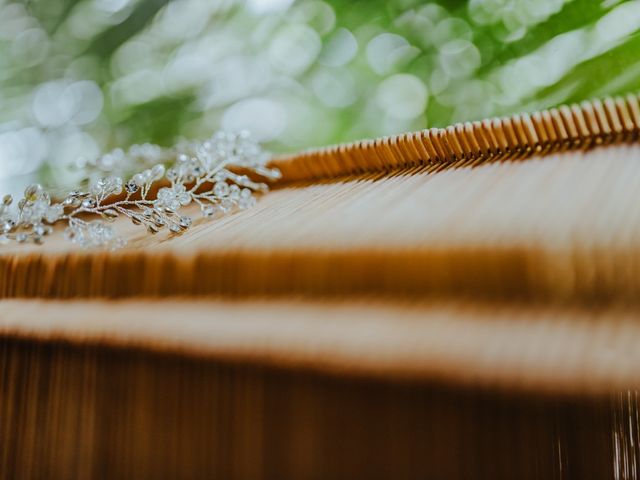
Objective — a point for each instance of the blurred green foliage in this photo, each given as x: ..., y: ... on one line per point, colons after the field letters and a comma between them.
x: 80, y: 77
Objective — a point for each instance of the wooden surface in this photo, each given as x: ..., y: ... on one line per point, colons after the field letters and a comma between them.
x: 562, y: 228
x: 531, y: 349
x: 74, y: 411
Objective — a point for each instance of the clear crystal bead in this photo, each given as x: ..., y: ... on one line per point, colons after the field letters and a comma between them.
x: 172, y: 174
x: 157, y: 171
x: 54, y: 212
x: 234, y: 192
x: 39, y: 229
x: 208, y: 211
x: 33, y: 192
x: 131, y: 187
x: 88, y: 203
x: 72, y: 201
x: 100, y: 233
x: 246, y: 202
x: 139, y: 179
x: 226, y: 205
x: 221, y: 189
x: 8, y: 225
x: 33, y: 212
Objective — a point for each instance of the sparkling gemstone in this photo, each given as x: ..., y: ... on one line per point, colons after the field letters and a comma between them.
x: 100, y: 233
x: 246, y: 202
x: 110, y: 214
x: 131, y: 186
x: 88, y: 203
x: 22, y: 237
x: 113, y: 186
x: 226, y: 205
x: 157, y: 171
x: 221, y: 189
x: 172, y: 198
x: 54, y: 212
x: 234, y: 192
x: 33, y: 192
x: 242, y: 179
x: 8, y: 225
x: 97, y: 188
x: 40, y: 229
x: 72, y: 201
x: 185, y: 221
x: 139, y: 179
x: 33, y: 212
x: 172, y: 174
x: 208, y: 211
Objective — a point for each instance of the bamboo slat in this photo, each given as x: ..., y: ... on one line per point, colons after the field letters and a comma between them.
x: 290, y: 390
x: 562, y: 228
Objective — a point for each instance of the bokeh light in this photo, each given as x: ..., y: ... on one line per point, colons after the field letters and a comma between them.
x: 81, y: 77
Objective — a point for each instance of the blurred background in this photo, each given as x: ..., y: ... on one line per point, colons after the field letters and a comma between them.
x: 78, y: 78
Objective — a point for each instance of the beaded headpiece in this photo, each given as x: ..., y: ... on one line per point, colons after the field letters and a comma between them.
x: 200, y: 173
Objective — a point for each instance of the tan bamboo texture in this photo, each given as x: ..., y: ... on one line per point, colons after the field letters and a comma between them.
x: 578, y: 126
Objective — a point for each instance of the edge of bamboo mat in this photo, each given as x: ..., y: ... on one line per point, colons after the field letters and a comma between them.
x: 568, y: 127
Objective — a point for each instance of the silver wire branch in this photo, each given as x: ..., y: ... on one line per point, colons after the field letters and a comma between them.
x: 199, y: 174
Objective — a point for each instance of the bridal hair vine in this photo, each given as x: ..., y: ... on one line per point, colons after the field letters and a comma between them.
x: 201, y: 173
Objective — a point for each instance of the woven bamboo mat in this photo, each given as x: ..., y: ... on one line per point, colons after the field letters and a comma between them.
x: 536, y: 350
x: 562, y: 228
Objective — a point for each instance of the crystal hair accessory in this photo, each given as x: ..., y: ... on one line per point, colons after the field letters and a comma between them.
x: 201, y: 173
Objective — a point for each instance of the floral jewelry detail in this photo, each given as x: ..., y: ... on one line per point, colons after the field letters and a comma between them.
x: 199, y: 175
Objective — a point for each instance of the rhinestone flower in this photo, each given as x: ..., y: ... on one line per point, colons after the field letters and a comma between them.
x: 199, y: 174
x: 106, y: 186
x: 173, y: 198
